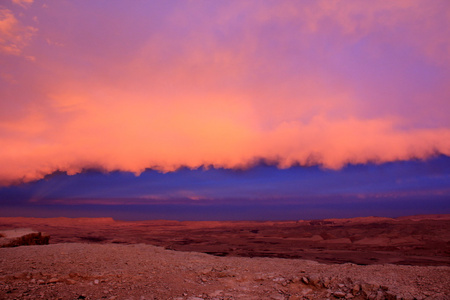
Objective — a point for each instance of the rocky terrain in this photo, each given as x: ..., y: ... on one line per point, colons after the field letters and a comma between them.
x: 416, y: 240
x: 108, y: 271
x: 362, y: 258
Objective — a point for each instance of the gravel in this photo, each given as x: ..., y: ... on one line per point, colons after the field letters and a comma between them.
x: 112, y: 271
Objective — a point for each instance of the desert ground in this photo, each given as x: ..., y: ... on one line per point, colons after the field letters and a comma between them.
x: 360, y: 258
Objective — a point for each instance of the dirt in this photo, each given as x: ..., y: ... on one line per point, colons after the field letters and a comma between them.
x: 363, y: 258
x: 109, y: 271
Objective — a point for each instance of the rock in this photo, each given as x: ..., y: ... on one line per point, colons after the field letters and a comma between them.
x: 326, y: 282
x: 339, y: 294
x: 206, y: 271
x: 379, y: 295
x: 215, y: 293
x: 22, y: 236
x: 390, y: 295
x: 314, y: 280
x: 279, y: 279
x: 305, y: 280
x: 306, y: 292
x: 277, y: 297
x: 53, y: 280
x: 367, y: 289
x: 355, y: 289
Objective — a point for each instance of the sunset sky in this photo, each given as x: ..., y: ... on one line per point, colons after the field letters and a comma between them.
x: 224, y: 109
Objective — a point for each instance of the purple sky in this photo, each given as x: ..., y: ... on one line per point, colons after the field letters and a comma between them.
x: 191, y: 107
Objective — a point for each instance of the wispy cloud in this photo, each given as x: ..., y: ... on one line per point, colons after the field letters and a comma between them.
x: 14, y: 36
x: 23, y: 3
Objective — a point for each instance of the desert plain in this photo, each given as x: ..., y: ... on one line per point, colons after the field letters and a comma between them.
x: 102, y: 258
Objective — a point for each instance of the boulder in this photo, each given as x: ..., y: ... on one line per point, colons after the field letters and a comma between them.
x: 22, y: 236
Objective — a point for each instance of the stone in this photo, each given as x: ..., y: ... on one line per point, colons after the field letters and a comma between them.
x: 206, y: 271
x: 339, y: 294
x: 53, y: 280
x: 390, y: 295
x: 367, y: 289
x: 278, y: 279
x: 355, y: 289
x: 379, y: 295
x: 216, y: 293
x: 306, y: 292
x: 314, y: 280
x: 326, y: 282
x: 277, y: 297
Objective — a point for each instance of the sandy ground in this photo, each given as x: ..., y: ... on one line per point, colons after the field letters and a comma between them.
x: 112, y: 271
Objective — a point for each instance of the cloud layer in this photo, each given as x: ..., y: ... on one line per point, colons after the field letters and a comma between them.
x: 123, y: 86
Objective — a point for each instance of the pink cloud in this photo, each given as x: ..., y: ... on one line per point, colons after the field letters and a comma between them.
x: 223, y: 85
x: 14, y: 36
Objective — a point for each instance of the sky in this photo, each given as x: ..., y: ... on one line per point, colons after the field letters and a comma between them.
x: 224, y: 109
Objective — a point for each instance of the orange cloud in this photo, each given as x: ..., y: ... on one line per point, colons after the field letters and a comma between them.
x: 133, y: 135
x: 317, y: 83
